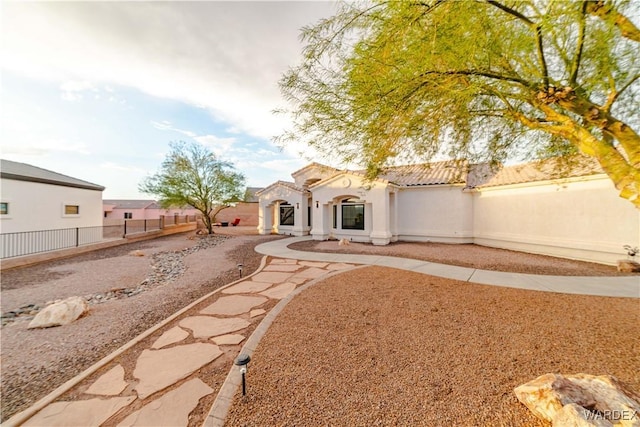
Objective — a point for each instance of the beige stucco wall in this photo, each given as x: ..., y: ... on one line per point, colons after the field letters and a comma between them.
x: 579, y: 219
x: 442, y: 213
x: 35, y: 206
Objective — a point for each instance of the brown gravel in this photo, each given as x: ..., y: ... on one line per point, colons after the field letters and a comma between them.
x: 36, y: 361
x: 469, y: 255
x: 378, y: 346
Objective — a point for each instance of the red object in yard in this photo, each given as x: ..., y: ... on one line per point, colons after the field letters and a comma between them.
x: 235, y: 222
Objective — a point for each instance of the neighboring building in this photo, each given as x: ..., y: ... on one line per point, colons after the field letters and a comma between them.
x: 141, y: 209
x: 574, y: 213
x: 115, y: 210
x: 34, y: 199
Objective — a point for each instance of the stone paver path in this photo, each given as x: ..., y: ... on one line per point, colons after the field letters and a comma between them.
x: 165, y: 377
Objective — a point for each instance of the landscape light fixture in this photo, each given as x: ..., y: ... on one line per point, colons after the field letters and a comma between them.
x: 242, y: 361
x: 240, y: 269
x: 297, y: 205
x: 317, y: 206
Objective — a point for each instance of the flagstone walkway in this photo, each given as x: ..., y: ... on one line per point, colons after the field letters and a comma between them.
x: 165, y: 378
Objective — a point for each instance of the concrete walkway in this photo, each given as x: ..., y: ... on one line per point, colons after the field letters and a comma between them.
x: 621, y: 286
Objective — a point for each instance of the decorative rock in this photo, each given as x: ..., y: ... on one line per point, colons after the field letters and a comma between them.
x: 172, y: 409
x: 136, y: 253
x: 91, y: 412
x: 60, y: 313
x: 110, y: 384
x: 595, y: 400
x: 158, y: 369
x: 343, y: 242
x: 207, y: 327
x: 628, y: 266
x: 171, y: 336
x: 233, y: 305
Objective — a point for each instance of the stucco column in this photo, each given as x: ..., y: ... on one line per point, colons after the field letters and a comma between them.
x: 320, y: 222
x: 265, y: 218
x: 380, y: 230
x: 299, y: 217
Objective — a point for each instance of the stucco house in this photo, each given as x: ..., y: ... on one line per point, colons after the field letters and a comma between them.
x: 33, y: 199
x: 539, y: 208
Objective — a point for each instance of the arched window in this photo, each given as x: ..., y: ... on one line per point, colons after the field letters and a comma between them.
x: 352, y: 214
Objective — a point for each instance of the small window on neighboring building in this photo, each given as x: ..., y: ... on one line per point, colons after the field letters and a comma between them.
x: 4, y: 208
x: 286, y: 214
x: 128, y: 215
x: 71, y: 210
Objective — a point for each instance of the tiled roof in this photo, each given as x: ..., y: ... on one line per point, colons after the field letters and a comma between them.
x: 291, y: 185
x: 129, y: 204
x: 544, y: 170
x: 250, y: 194
x: 445, y: 172
x: 24, y: 172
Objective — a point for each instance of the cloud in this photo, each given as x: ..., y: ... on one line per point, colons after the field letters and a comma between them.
x: 45, y: 147
x: 225, y: 56
x: 166, y: 125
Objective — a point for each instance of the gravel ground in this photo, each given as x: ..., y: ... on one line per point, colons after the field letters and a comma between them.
x: 172, y: 273
x: 378, y: 346
x: 469, y: 255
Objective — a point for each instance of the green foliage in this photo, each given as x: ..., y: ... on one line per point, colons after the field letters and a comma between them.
x: 193, y: 175
x: 483, y: 80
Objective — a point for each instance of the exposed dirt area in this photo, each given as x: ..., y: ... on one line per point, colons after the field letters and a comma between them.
x: 36, y: 361
x: 469, y: 255
x: 378, y: 346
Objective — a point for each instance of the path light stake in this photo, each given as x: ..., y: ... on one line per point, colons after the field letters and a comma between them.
x: 240, y: 269
x: 242, y: 361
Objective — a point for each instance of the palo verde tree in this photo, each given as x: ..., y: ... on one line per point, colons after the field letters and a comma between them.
x: 486, y: 80
x: 192, y: 175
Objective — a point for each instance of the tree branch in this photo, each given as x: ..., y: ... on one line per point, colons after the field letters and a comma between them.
x: 614, y: 95
x: 575, y: 66
x: 538, y: 34
x: 604, y: 10
x: 479, y: 73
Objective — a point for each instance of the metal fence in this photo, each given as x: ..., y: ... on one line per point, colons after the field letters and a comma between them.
x: 33, y: 242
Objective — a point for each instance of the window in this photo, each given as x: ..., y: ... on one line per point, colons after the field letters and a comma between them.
x: 4, y: 208
x: 335, y: 216
x: 128, y: 215
x: 309, y: 216
x: 286, y: 214
x: 352, y: 215
x: 71, y: 210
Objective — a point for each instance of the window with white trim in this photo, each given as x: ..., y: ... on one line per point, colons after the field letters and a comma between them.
x: 352, y: 214
x: 286, y: 214
x: 4, y: 208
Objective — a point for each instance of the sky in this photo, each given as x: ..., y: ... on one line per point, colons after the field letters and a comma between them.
x: 98, y: 90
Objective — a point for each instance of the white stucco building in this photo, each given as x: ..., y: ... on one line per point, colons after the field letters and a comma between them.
x: 38, y: 199
x: 574, y: 213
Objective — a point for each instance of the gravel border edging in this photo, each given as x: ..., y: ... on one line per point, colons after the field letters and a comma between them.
x: 223, y: 400
x: 22, y: 417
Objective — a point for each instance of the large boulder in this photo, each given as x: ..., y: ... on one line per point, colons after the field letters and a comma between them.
x: 60, y: 313
x: 628, y: 266
x: 581, y: 400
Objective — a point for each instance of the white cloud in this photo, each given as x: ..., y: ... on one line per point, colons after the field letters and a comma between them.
x: 166, y: 125
x: 225, y: 56
x: 220, y: 146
